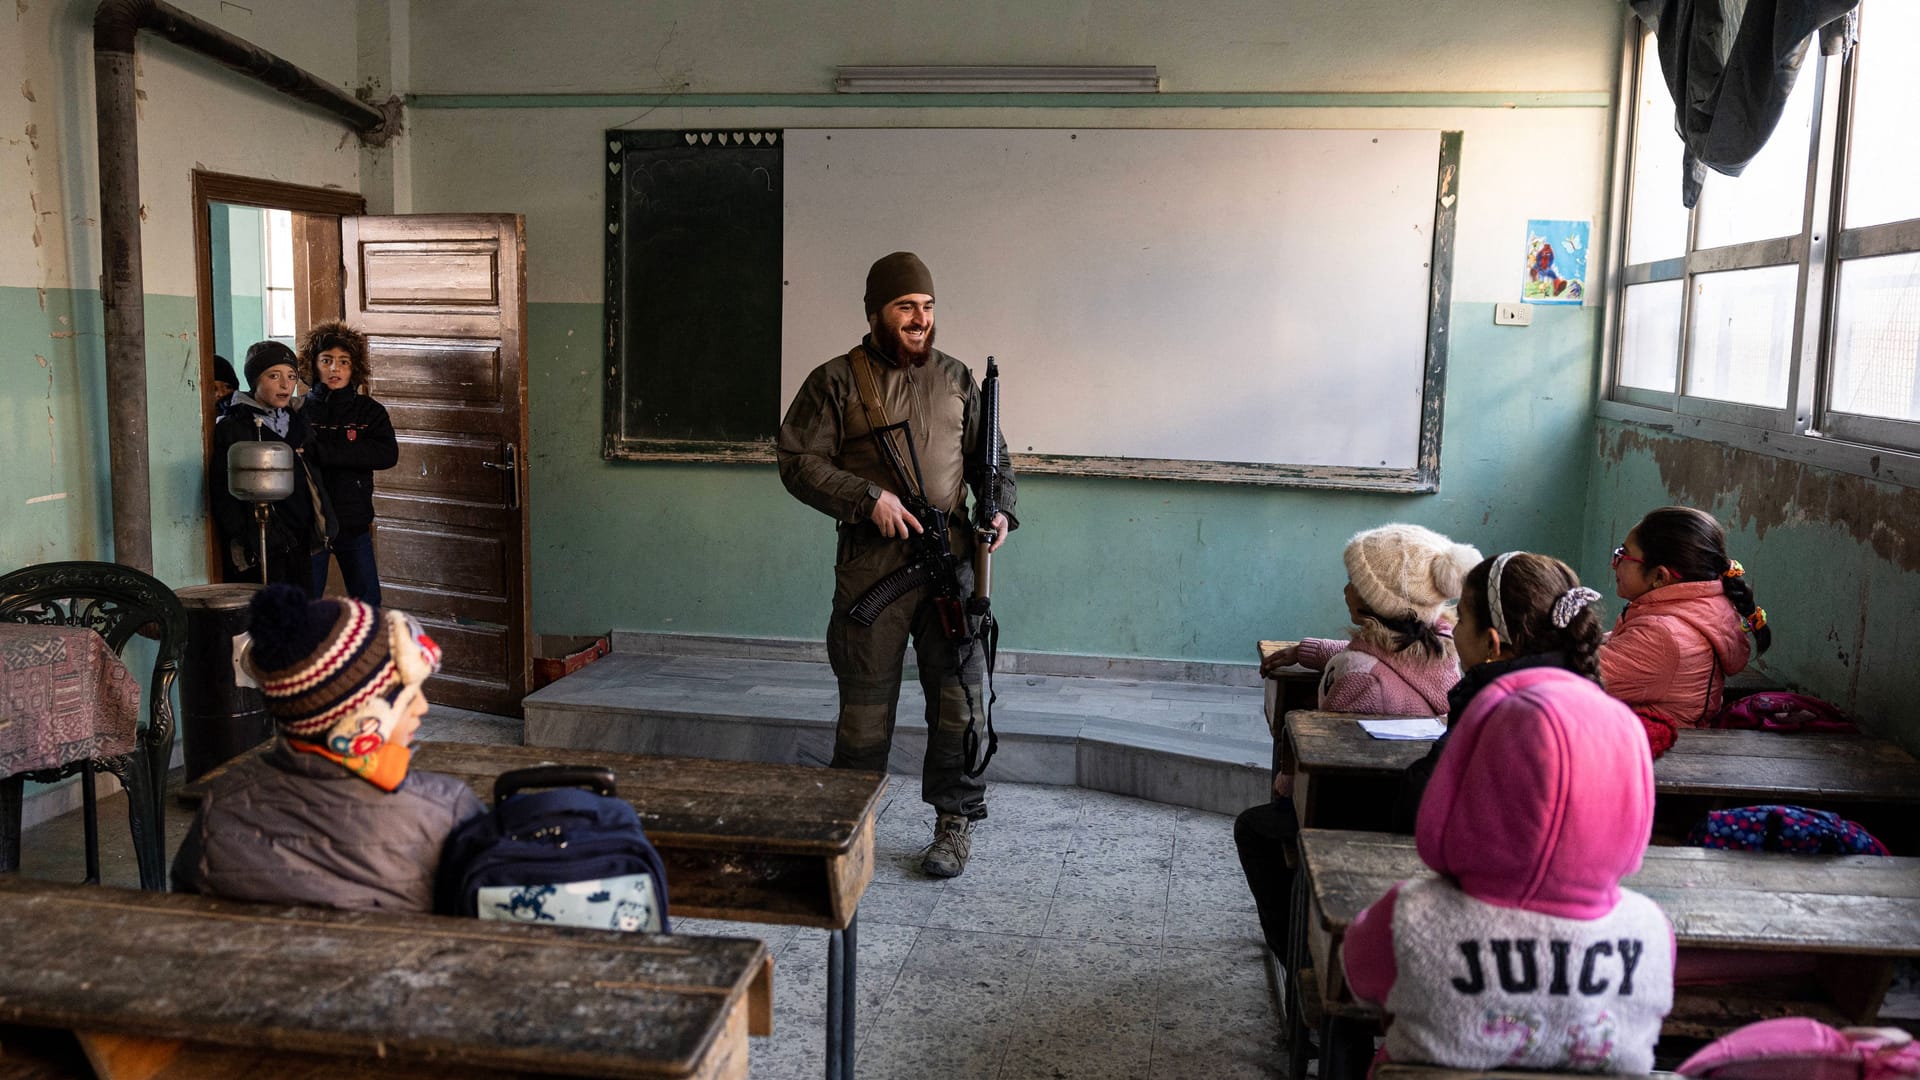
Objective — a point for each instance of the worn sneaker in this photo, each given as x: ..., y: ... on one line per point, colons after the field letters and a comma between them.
x: 952, y: 842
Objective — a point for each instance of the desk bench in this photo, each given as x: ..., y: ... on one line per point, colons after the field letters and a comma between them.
x: 1856, y: 914
x: 173, y: 987
x: 741, y: 840
x: 1437, y: 1073
x: 1853, y: 774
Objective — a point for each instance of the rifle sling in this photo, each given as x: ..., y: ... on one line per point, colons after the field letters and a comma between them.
x: 868, y: 387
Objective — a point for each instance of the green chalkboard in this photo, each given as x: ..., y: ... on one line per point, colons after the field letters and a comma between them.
x: 693, y: 290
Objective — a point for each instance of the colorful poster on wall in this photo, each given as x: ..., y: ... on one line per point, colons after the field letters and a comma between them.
x: 1556, y: 271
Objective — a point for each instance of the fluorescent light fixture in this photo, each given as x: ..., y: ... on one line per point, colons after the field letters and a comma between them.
x: 998, y: 80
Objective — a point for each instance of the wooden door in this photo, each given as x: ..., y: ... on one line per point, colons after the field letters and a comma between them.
x: 442, y: 299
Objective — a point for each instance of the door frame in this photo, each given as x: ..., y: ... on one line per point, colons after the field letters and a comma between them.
x: 212, y: 187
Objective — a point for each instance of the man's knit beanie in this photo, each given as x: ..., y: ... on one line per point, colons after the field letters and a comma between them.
x: 262, y: 355
x: 894, y: 276
x: 223, y: 371
x: 1406, y: 570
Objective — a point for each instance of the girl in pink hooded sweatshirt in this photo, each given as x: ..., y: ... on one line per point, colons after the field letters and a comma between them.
x: 1689, y: 611
x: 1400, y: 661
x: 1524, y: 951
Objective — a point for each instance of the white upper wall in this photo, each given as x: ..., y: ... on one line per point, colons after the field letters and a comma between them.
x: 194, y: 114
x: 739, y: 46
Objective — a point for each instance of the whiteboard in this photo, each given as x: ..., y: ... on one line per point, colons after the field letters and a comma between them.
x: 1252, y: 296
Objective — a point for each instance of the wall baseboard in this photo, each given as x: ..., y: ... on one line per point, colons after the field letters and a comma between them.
x: 58, y: 800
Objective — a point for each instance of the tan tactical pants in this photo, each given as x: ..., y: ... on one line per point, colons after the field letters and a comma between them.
x: 868, y: 662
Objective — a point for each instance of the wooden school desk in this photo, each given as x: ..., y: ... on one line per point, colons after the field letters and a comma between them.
x: 1854, y: 914
x: 1290, y: 688
x: 169, y: 987
x: 742, y: 840
x: 1854, y: 774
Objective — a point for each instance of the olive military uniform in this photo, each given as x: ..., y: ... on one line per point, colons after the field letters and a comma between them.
x: 830, y: 461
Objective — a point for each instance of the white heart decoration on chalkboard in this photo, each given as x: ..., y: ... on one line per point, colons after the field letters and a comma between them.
x: 690, y: 136
x: 706, y: 138
x: 754, y: 138
x: 613, y: 167
x: 738, y: 138
x: 613, y: 147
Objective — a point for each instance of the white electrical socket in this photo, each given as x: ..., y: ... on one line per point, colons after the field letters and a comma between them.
x: 1512, y: 315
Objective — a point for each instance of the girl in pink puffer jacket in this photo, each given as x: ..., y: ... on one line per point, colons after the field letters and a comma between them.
x: 1689, y: 609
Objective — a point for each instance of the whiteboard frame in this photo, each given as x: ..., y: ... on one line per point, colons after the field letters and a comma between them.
x: 1422, y: 478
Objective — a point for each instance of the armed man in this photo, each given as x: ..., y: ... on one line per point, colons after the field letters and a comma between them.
x: 886, y: 440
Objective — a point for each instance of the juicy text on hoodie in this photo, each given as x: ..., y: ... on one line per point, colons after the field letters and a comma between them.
x: 1525, y: 951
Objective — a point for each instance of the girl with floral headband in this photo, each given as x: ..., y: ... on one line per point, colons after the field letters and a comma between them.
x: 1689, y: 611
x: 331, y: 815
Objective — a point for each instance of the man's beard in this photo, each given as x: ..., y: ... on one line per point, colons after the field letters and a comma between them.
x: 896, y: 348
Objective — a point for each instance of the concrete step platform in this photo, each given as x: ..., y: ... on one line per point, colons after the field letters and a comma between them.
x: 1197, y: 743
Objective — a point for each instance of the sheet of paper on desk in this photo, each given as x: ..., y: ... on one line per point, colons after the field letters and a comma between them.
x: 1408, y: 728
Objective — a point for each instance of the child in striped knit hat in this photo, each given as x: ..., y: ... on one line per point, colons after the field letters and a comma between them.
x: 331, y: 815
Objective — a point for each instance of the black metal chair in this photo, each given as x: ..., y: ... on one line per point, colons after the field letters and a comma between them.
x: 117, y: 602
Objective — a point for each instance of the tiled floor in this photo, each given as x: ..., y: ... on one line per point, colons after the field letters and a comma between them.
x: 1092, y: 935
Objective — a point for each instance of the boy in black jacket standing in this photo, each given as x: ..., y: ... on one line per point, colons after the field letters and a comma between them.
x: 352, y: 437
x: 298, y: 525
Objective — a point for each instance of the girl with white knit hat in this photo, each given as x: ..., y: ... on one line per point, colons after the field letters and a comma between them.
x: 1401, y: 660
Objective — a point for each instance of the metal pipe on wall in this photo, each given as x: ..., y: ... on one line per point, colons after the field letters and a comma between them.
x: 115, y: 25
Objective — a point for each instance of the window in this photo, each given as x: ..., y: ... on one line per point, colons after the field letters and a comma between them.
x: 1788, y: 299
x: 277, y: 275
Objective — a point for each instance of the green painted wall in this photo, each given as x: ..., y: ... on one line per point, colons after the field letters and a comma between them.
x: 1834, y: 559
x: 55, y: 495
x: 1105, y: 567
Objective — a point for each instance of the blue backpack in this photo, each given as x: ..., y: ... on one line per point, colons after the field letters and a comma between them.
x: 564, y: 856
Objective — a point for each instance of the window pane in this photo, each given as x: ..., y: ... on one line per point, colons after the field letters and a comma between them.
x: 1876, y: 337
x: 280, y: 249
x: 1885, y: 155
x: 1656, y: 220
x: 1769, y: 198
x: 1650, y: 335
x: 1742, y: 340
x: 280, y: 313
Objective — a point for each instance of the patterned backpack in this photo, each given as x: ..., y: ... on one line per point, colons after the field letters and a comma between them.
x: 1779, y: 710
x: 562, y: 856
x: 1793, y: 829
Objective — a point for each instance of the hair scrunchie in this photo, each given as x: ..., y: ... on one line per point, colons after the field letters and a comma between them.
x: 1734, y: 569
x: 1755, y: 621
x: 1571, y: 603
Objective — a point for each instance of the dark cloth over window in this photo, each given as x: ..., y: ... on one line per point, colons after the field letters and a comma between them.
x: 1730, y: 65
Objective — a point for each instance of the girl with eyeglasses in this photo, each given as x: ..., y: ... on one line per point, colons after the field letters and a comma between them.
x: 1689, y: 611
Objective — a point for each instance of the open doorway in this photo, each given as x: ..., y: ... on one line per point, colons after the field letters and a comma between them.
x: 267, y: 256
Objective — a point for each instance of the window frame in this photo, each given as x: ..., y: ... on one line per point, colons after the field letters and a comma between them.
x: 1806, y: 426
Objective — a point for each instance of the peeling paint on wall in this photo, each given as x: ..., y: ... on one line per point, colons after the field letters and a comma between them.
x: 1761, y: 492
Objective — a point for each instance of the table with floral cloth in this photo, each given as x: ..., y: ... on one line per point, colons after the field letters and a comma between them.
x: 64, y: 697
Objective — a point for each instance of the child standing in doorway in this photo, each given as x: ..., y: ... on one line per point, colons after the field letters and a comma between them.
x: 1689, y: 611
x: 297, y: 526
x: 352, y: 437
